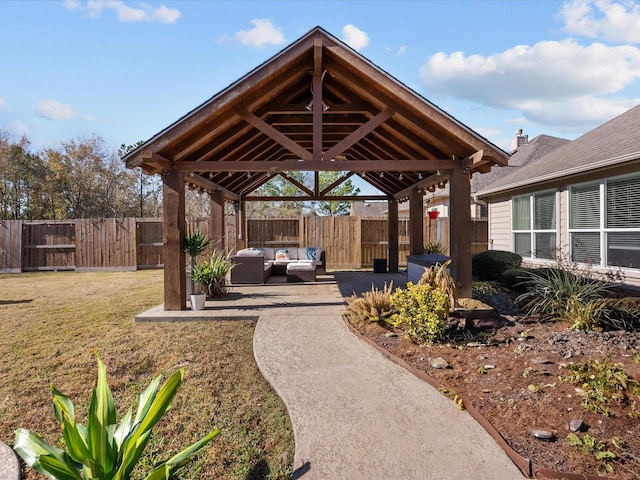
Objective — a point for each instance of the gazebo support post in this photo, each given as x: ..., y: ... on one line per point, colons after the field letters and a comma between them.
x: 416, y: 222
x: 173, y: 231
x: 392, y: 228
x: 216, y: 220
x: 460, y: 229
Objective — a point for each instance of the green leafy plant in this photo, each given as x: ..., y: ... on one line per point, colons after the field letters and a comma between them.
x: 199, y: 274
x: 548, y: 291
x: 103, y: 449
x: 490, y: 265
x: 373, y: 306
x: 601, y: 451
x: 438, y: 277
x: 583, y: 316
x: 195, y: 244
x: 213, y: 276
x: 422, y: 311
x: 437, y: 248
x: 603, y: 382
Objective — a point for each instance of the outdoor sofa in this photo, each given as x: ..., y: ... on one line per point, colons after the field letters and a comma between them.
x: 256, y: 265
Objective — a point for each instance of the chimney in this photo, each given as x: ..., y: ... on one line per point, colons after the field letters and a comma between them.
x: 519, y: 140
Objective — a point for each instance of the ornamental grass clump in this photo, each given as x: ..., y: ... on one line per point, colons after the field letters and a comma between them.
x: 104, y: 449
x: 422, y: 312
x: 437, y: 276
x: 374, y: 306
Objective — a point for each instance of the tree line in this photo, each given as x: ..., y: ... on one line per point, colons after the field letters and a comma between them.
x: 86, y: 178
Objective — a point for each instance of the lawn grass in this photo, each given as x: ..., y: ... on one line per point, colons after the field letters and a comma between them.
x: 52, y: 323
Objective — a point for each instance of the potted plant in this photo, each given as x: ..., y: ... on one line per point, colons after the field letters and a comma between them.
x: 200, y: 277
x: 219, y: 266
x: 433, y: 214
x: 194, y: 245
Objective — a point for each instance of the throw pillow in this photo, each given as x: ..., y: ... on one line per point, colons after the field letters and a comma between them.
x: 282, y: 254
x: 312, y: 253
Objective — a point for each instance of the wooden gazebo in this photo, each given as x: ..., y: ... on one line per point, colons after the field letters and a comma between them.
x: 316, y: 106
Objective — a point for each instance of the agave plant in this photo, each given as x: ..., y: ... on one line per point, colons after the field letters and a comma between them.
x: 103, y: 449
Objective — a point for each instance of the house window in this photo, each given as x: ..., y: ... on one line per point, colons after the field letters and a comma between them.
x: 604, y: 222
x: 534, y: 224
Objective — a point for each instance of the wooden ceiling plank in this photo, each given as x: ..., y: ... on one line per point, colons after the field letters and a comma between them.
x: 412, y: 165
x: 359, y: 133
x: 268, y: 130
x: 305, y: 198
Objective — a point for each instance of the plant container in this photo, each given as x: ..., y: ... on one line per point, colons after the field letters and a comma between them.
x: 433, y: 214
x: 198, y: 301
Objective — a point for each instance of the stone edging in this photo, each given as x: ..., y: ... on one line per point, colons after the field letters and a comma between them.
x: 528, y: 468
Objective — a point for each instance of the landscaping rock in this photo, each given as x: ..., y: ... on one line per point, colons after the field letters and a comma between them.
x: 543, y: 435
x: 439, y: 362
x: 577, y: 425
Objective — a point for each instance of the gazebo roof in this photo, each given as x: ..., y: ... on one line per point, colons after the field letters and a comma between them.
x: 316, y: 106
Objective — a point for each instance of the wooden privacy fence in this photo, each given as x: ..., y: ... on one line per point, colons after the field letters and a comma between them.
x: 136, y: 243
x: 352, y: 242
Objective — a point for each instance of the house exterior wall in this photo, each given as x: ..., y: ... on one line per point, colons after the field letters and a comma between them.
x: 500, y: 224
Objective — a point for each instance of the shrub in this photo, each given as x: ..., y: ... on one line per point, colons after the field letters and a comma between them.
x: 438, y: 277
x: 421, y: 311
x: 621, y: 314
x: 548, y: 291
x: 514, y: 278
x: 604, y: 382
x: 583, y: 315
x: 373, y: 306
x: 103, y: 449
x: 491, y: 264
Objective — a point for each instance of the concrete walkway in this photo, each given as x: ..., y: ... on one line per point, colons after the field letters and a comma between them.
x: 355, y: 414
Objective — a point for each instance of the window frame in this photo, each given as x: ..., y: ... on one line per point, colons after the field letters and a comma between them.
x: 602, y: 230
x: 532, y: 231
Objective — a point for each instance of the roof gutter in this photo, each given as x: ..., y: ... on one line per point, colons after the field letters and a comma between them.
x: 562, y: 173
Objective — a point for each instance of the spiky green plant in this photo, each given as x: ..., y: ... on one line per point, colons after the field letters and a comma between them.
x: 437, y: 276
x: 103, y: 449
x: 373, y: 306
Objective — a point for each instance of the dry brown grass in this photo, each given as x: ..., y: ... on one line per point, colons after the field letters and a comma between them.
x: 50, y: 326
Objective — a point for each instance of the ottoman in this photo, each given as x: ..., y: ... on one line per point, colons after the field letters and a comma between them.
x: 301, y: 272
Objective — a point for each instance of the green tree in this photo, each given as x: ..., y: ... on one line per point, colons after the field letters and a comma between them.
x: 280, y: 186
x: 346, y: 188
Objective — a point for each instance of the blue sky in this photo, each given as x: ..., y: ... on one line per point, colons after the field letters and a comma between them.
x: 124, y: 70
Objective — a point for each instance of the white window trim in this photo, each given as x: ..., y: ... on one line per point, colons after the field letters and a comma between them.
x: 532, y: 231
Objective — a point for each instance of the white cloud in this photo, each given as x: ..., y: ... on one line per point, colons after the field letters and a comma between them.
x: 55, y: 110
x: 612, y: 21
x: 549, y: 81
x: 141, y: 13
x: 354, y: 37
x: 3, y: 104
x: 262, y: 33
x: 401, y: 51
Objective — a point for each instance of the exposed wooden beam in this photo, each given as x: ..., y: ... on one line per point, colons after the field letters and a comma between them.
x: 296, y: 183
x: 209, y: 185
x: 276, y: 135
x: 317, y: 100
x: 339, y: 181
x: 327, y: 198
x: 422, y: 165
x: 424, y: 183
x: 158, y: 161
x: 332, y: 109
x: 484, y: 156
x: 359, y: 133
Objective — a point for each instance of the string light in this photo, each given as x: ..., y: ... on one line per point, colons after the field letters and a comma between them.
x: 400, y: 177
x: 419, y: 176
x: 381, y: 174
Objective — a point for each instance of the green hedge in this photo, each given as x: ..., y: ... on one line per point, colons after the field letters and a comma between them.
x: 490, y: 265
